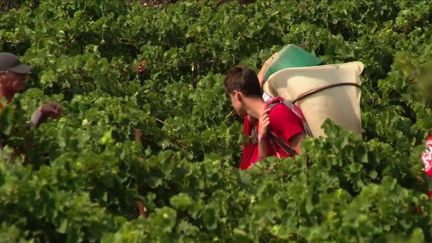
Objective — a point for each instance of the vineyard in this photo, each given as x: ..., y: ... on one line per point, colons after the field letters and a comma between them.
x: 148, y: 148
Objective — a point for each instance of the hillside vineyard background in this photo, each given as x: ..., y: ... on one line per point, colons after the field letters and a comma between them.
x: 147, y: 149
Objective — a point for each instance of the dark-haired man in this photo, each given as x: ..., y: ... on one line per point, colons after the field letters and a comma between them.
x: 264, y: 121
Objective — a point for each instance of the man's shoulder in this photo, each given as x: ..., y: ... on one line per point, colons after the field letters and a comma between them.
x: 283, y: 117
x: 284, y: 122
x: 282, y: 111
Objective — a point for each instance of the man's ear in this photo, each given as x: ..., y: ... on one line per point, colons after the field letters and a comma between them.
x: 238, y: 95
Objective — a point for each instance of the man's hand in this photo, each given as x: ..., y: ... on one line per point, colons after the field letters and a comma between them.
x: 264, y: 122
x: 45, y: 111
x: 296, y: 142
x: 264, y: 68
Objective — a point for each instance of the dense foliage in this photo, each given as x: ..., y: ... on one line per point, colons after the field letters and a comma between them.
x: 148, y: 150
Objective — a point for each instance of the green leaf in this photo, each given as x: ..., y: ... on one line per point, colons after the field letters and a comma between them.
x: 181, y: 201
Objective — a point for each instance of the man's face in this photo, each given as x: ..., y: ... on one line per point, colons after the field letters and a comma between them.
x: 19, y: 81
x: 236, y: 103
x: 15, y: 82
x: 12, y: 83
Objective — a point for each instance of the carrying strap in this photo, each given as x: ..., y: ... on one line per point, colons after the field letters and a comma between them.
x: 316, y: 90
x: 286, y: 147
x: 273, y: 138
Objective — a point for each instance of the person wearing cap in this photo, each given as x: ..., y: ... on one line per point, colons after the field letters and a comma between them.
x: 13, y: 76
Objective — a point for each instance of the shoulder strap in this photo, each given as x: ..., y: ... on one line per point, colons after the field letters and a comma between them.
x: 286, y: 147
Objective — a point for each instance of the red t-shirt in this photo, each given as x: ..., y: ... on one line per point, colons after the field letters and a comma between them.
x: 283, y: 123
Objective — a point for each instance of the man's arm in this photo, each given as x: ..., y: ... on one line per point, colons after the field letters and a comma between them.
x: 296, y: 142
x: 262, y: 148
x: 264, y: 122
x: 50, y: 110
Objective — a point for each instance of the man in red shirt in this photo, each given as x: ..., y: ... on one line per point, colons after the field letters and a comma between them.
x: 261, y: 118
